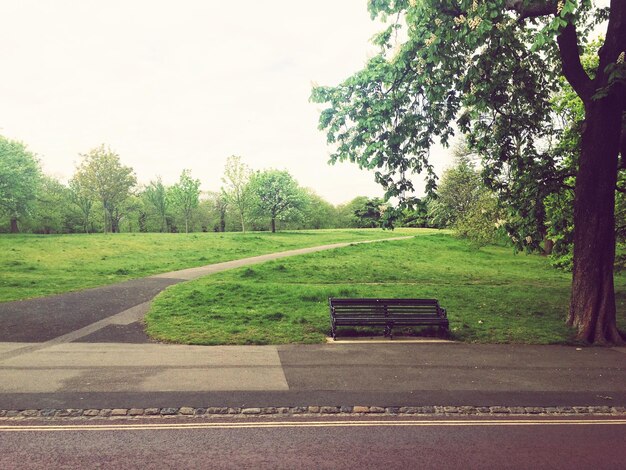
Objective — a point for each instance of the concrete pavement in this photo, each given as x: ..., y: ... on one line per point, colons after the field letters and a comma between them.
x: 101, y: 375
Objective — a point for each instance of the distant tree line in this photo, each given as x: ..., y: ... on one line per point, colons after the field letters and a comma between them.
x: 103, y: 195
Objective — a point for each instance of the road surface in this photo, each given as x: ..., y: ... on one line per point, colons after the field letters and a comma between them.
x: 305, y: 443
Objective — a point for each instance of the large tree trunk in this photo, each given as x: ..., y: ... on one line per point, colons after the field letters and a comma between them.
x: 14, y: 227
x: 592, y: 308
x: 273, y: 225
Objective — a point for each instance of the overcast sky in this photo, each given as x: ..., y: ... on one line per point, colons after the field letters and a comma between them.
x: 182, y: 84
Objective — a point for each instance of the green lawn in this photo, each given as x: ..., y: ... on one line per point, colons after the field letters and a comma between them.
x: 38, y: 265
x: 492, y: 295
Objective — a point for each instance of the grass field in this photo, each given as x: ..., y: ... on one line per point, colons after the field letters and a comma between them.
x: 39, y: 265
x: 492, y: 295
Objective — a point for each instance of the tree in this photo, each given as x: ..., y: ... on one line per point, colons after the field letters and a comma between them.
x: 103, y: 178
x: 558, y: 204
x: 236, y: 189
x: 19, y: 179
x: 277, y: 196
x: 130, y: 215
x: 492, y: 67
x: 221, y: 206
x: 51, y: 210
x: 317, y: 212
x: 418, y: 216
x: 369, y: 213
x: 538, y: 193
x: 80, y: 196
x: 483, y: 222
x: 345, y: 212
x: 216, y: 211
x: 185, y: 195
x: 459, y: 189
x: 465, y: 204
x: 156, y: 195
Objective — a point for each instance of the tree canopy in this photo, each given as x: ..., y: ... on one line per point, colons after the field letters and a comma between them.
x: 103, y: 177
x: 236, y: 189
x: 277, y: 196
x: 156, y: 195
x: 185, y: 195
x: 490, y: 68
x: 19, y: 179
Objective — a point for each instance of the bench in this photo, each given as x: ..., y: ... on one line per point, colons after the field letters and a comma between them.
x: 387, y: 313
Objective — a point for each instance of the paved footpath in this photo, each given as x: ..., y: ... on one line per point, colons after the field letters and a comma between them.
x: 112, y: 313
x: 393, y: 374
x: 87, y: 351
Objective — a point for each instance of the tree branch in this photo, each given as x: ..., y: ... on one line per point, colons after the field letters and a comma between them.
x: 559, y: 180
x: 531, y: 9
x: 570, y: 61
x: 567, y: 41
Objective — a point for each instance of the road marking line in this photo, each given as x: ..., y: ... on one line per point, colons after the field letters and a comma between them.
x: 309, y: 424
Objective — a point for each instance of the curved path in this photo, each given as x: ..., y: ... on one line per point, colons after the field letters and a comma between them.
x: 111, y: 313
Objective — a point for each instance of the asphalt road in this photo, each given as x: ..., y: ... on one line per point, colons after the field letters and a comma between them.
x: 337, y: 444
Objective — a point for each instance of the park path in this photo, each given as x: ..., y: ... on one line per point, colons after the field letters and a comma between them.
x: 113, y: 313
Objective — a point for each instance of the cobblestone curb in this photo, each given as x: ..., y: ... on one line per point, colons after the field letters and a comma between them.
x: 359, y: 410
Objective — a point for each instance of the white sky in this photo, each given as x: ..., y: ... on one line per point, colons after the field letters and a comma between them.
x: 182, y: 84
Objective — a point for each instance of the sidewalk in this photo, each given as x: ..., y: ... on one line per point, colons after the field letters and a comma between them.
x: 81, y: 375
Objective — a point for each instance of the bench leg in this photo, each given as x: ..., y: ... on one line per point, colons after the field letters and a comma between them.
x: 388, y: 332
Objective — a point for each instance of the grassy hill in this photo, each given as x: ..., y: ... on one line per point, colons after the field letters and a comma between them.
x: 492, y: 295
x: 39, y: 265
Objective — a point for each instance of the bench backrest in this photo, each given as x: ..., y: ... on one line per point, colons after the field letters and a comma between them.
x: 384, y: 307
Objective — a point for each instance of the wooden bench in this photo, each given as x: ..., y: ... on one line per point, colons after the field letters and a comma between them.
x: 387, y: 313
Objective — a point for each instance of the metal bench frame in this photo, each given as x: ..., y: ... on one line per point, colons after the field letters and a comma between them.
x: 387, y: 313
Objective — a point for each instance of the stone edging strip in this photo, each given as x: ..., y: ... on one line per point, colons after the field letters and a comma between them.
x: 186, y: 411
